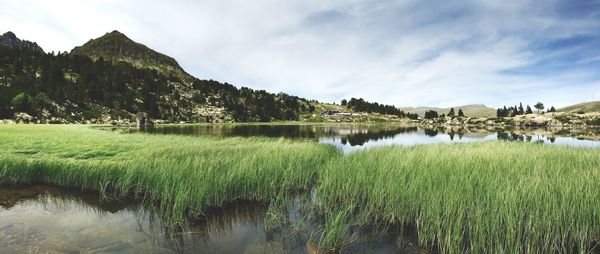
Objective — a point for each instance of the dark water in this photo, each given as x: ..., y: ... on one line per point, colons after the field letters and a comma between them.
x: 350, y: 138
x: 48, y: 219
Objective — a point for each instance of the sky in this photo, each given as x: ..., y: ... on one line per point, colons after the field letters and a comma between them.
x: 405, y: 53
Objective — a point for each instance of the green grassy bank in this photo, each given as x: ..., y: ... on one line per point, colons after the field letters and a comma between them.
x: 492, y: 197
x: 186, y: 174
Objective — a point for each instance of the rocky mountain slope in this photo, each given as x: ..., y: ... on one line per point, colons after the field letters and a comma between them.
x: 115, y: 46
x: 10, y: 40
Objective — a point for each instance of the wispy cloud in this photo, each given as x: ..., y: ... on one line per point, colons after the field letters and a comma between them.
x: 437, y: 53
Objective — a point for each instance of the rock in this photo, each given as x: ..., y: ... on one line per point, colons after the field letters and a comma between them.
x: 143, y: 119
x: 56, y: 120
x: 7, y: 121
x: 22, y: 117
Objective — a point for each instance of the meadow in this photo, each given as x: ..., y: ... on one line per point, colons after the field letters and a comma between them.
x: 185, y: 175
x: 489, y: 197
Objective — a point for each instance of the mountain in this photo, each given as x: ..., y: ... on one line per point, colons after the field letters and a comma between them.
x: 477, y: 110
x: 112, y: 78
x: 592, y: 106
x: 115, y: 46
x: 10, y: 40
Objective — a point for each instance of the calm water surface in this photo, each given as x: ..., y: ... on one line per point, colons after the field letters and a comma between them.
x: 48, y: 219
x: 351, y: 138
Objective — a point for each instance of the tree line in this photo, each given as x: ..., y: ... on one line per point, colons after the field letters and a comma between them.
x: 513, y: 111
x: 360, y: 105
x: 246, y: 104
x: 432, y: 114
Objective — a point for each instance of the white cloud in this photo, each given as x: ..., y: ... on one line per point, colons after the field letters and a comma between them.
x: 405, y: 53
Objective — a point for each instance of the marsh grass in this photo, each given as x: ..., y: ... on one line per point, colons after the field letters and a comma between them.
x: 183, y: 174
x: 493, y: 197
x: 490, y: 197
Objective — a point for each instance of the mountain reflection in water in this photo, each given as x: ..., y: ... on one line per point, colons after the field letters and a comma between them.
x: 354, y: 137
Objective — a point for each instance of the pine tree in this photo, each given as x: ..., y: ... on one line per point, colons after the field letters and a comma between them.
x: 528, y: 111
x: 451, y: 113
x: 460, y: 113
x: 521, y: 110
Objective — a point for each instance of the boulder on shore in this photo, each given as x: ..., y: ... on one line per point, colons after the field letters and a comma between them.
x: 143, y: 119
x: 22, y: 117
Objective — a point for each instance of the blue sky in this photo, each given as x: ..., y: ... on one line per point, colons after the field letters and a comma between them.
x: 406, y: 53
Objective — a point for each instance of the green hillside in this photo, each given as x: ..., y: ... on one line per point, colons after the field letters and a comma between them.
x: 474, y: 110
x: 585, y: 107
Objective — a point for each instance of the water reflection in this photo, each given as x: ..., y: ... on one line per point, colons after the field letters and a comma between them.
x: 48, y: 219
x: 351, y: 137
x: 359, y: 138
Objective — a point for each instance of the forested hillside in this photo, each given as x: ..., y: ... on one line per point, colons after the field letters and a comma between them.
x: 112, y: 78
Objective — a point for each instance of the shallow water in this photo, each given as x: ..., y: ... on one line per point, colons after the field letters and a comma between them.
x: 37, y: 219
x: 48, y: 219
x: 349, y: 137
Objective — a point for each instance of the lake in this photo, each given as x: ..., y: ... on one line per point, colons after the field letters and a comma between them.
x: 51, y: 219
x: 355, y: 137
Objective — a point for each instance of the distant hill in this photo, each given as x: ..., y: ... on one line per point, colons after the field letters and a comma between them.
x: 585, y: 107
x: 478, y: 110
x: 115, y: 46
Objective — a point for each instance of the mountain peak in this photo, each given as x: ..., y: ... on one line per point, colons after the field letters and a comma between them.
x: 115, y: 34
x: 116, y: 46
x: 9, y: 39
x: 10, y: 35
